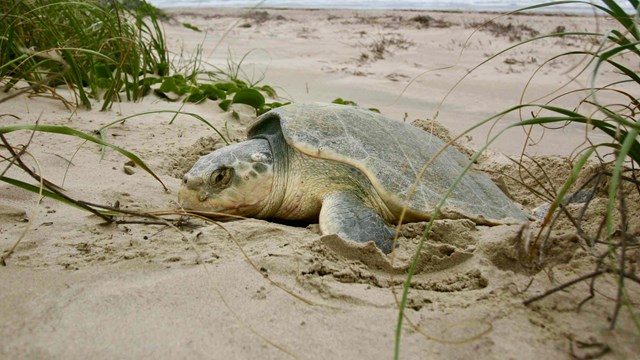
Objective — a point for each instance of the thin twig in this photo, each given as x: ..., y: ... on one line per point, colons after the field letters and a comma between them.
x: 592, y: 293
x: 562, y: 287
x: 16, y: 157
x: 632, y: 277
x: 621, y: 260
x: 33, y: 87
x: 140, y: 222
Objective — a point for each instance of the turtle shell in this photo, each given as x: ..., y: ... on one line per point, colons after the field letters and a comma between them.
x: 392, y: 154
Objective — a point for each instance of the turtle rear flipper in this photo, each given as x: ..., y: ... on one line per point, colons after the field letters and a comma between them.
x: 345, y: 215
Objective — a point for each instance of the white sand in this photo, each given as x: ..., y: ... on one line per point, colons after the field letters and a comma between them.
x: 76, y: 288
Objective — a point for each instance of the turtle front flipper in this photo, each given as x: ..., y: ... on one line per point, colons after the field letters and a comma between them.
x: 345, y: 215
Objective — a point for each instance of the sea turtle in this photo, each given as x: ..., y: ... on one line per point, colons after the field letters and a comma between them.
x: 352, y: 167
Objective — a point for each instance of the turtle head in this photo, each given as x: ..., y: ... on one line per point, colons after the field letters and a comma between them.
x: 235, y: 180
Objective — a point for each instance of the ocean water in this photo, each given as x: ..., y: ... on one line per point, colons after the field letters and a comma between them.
x: 462, y: 5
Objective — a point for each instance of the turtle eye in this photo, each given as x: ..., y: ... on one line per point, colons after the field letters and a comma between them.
x: 221, y: 177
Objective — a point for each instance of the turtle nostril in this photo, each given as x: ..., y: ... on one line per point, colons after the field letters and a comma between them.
x: 192, y: 182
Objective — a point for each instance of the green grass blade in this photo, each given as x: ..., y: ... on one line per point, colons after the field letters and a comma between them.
x: 86, y: 35
x: 615, y: 176
x: 573, y: 176
x: 196, y: 116
x: 64, y: 130
x: 622, y: 17
x: 36, y: 189
x: 626, y: 71
x: 621, y: 126
x: 630, y: 141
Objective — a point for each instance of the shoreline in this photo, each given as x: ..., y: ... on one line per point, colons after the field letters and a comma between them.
x: 558, y: 9
x: 436, y: 11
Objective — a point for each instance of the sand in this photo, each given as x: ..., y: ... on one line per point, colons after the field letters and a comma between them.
x: 77, y: 288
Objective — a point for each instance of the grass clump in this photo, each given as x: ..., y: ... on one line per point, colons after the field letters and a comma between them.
x: 510, y: 31
x: 342, y: 101
x: 609, y: 235
x: 219, y: 86
x: 382, y: 45
x: 100, y: 50
x: 106, y: 51
x: 426, y: 21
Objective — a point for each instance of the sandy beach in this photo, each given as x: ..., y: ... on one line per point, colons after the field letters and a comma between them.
x: 255, y: 289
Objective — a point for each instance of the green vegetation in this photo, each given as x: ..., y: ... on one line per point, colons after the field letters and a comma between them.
x: 191, y: 27
x: 103, y: 51
x: 229, y: 91
x: 100, y: 50
x: 342, y: 101
x: 618, y: 50
x: 106, y: 51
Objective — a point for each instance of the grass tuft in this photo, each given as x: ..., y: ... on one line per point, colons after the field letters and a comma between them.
x: 101, y: 50
x: 611, y: 109
x: 382, y: 45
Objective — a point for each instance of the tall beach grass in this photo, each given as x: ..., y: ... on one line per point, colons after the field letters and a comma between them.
x: 618, y: 118
x: 101, y: 50
x: 105, y: 51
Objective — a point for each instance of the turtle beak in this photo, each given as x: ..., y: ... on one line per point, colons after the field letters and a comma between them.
x: 192, y: 182
x: 191, y: 192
